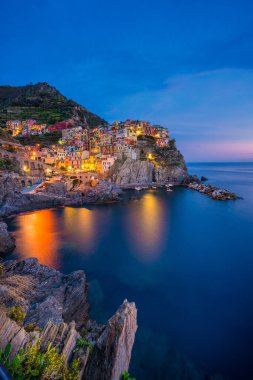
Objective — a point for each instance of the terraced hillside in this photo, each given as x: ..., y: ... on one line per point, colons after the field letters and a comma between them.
x: 43, y: 103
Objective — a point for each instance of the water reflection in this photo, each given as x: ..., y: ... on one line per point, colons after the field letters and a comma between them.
x: 80, y: 226
x: 146, y: 226
x: 38, y: 236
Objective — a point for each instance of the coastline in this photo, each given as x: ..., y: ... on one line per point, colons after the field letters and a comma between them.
x: 35, y: 202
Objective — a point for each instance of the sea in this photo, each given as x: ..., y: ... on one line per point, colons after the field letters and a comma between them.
x: 184, y: 259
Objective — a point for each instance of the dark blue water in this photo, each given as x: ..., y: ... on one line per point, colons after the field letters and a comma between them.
x: 186, y: 260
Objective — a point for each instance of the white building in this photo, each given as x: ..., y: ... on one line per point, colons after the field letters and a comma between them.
x: 123, y: 150
x: 107, y: 163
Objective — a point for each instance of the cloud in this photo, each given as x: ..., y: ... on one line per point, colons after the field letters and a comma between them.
x: 208, y: 108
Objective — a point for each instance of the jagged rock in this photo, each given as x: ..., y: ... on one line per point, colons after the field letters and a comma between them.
x: 11, y: 332
x: 113, y: 348
x: 58, y: 304
x: 62, y: 336
x: 7, y: 240
x: 54, y: 296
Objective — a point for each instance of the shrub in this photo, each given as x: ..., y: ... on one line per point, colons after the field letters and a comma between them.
x: 6, y: 164
x: 1, y: 269
x: 84, y: 343
x: 126, y: 376
x: 32, y: 327
x: 17, y: 313
x: 14, y: 288
x: 32, y: 364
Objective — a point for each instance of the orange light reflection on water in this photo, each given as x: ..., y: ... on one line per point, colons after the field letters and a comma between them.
x: 38, y: 236
x: 146, y: 226
x: 80, y: 226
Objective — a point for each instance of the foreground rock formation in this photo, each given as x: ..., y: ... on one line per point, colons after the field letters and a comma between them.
x: 7, y: 240
x: 57, y: 304
x: 155, y: 164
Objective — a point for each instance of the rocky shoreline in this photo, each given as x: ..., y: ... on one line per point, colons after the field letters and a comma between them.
x: 216, y: 193
x: 13, y: 201
x: 56, y: 305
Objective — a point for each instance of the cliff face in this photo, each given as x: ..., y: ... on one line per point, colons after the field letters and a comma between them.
x: 154, y: 165
x: 132, y: 171
x: 58, y: 305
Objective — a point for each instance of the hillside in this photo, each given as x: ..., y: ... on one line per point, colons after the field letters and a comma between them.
x: 43, y: 103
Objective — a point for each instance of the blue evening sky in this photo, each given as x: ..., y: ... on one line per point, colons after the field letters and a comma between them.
x: 187, y: 65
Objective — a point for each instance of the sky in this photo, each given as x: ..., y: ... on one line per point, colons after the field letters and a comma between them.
x: 187, y: 65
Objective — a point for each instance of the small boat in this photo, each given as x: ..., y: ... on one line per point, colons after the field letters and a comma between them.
x: 169, y: 189
x: 154, y: 187
x: 138, y: 188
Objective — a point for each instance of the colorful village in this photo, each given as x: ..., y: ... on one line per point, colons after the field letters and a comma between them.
x: 82, y: 149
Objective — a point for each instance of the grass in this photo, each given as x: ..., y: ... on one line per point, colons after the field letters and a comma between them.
x: 14, y: 288
x: 17, y: 313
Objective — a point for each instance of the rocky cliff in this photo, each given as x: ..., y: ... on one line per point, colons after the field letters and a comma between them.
x: 57, y: 304
x: 155, y: 164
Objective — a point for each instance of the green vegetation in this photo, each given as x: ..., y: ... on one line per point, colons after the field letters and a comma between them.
x: 84, y: 343
x: 146, y: 138
x: 172, y: 143
x: 17, y: 313
x: 46, y: 140
x: 32, y: 327
x: 32, y: 364
x: 7, y: 164
x: 126, y: 376
x: 5, y: 135
x: 43, y: 103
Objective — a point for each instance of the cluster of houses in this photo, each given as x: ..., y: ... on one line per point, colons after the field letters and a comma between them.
x: 84, y: 149
x: 25, y: 128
